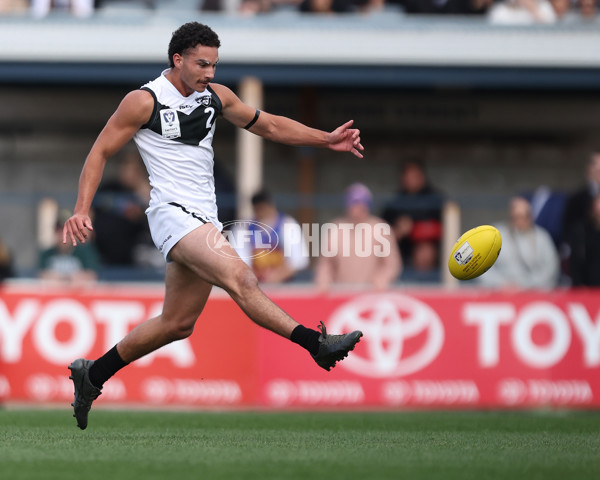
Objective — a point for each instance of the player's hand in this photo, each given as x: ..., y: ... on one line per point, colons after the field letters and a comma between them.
x: 77, y: 228
x: 346, y: 139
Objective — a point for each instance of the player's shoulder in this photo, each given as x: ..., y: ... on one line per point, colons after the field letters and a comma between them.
x: 137, y: 105
x: 218, y: 88
x: 142, y: 95
x: 225, y: 94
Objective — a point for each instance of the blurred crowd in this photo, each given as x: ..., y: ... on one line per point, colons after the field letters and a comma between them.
x: 549, y: 238
x: 498, y: 11
x: 517, y: 12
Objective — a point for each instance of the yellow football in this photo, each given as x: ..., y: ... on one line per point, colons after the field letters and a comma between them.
x: 475, y: 252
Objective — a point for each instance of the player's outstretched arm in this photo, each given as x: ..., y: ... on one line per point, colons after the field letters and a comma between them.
x: 135, y: 110
x: 285, y: 130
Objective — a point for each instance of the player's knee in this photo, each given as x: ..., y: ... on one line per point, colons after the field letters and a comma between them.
x: 180, y: 330
x: 243, y: 281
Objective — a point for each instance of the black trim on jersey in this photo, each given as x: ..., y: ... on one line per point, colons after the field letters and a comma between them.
x: 216, y: 98
x: 193, y: 126
x: 253, y: 121
x: 154, y: 108
x: 196, y: 216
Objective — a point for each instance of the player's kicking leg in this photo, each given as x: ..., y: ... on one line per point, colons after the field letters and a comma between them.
x: 213, y: 259
x: 185, y: 297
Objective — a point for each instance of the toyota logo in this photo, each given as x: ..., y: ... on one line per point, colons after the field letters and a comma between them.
x: 402, y: 335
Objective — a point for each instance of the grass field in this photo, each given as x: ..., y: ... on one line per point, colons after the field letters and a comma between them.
x: 41, y: 444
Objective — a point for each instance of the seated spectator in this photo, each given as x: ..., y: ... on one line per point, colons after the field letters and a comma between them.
x: 561, y: 8
x: 584, y: 240
x: 523, y: 12
x: 528, y: 258
x: 415, y: 215
x: 78, y: 8
x: 252, y: 7
x: 588, y: 8
x: 359, y: 249
x: 65, y: 264
x: 272, y: 265
x: 458, y: 7
x: 340, y: 6
x: 120, y: 224
x: 13, y: 7
x: 6, y: 266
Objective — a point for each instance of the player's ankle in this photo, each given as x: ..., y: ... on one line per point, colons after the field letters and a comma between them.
x: 105, y: 367
x: 306, y: 338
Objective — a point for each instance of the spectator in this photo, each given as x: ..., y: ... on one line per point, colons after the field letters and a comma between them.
x: 340, y: 6
x: 78, y: 8
x: 579, y: 203
x: 289, y: 255
x: 13, y: 7
x: 122, y: 233
x: 459, y: 7
x: 528, y: 258
x: 547, y: 208
x: 588, y: 8
x: 64, y: 264
x: 584, y: 239
x: 523, y: 12
x: 561, y: 8
x: 6, y: 267
x: 252, y: 7
x: 415, y: 217
x: 225, y: 193
x: 360, y: 249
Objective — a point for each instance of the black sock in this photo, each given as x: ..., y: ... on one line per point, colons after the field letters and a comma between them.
x: 306, y: 338
x: 105, y: 367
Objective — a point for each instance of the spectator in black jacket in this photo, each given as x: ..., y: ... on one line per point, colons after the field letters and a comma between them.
x: 578, y: 207
x: 457, y: 7
x: 584, y: 240
x: 6, y: 268
x: 580, y: 202
x: 119, y: 207
x: 415, y: 215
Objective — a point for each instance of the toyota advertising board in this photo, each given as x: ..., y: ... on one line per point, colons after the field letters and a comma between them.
x: 463, y: 349
x: 41, y: 332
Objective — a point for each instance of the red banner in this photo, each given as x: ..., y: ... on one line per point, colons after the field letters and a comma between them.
x: 420, y: 349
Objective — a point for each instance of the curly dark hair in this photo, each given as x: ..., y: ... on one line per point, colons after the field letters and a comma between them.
x: 188, y: 36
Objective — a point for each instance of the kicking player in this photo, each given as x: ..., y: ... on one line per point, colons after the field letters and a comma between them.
x: 172, y: 121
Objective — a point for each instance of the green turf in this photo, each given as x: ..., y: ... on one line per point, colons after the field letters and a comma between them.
x: 424, y: 445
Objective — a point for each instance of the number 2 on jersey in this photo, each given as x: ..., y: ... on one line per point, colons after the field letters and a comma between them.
x: 211, y: 111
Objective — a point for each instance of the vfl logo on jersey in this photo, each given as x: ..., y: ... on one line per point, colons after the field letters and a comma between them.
x: 169, y: 122
x: 204, y: 100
